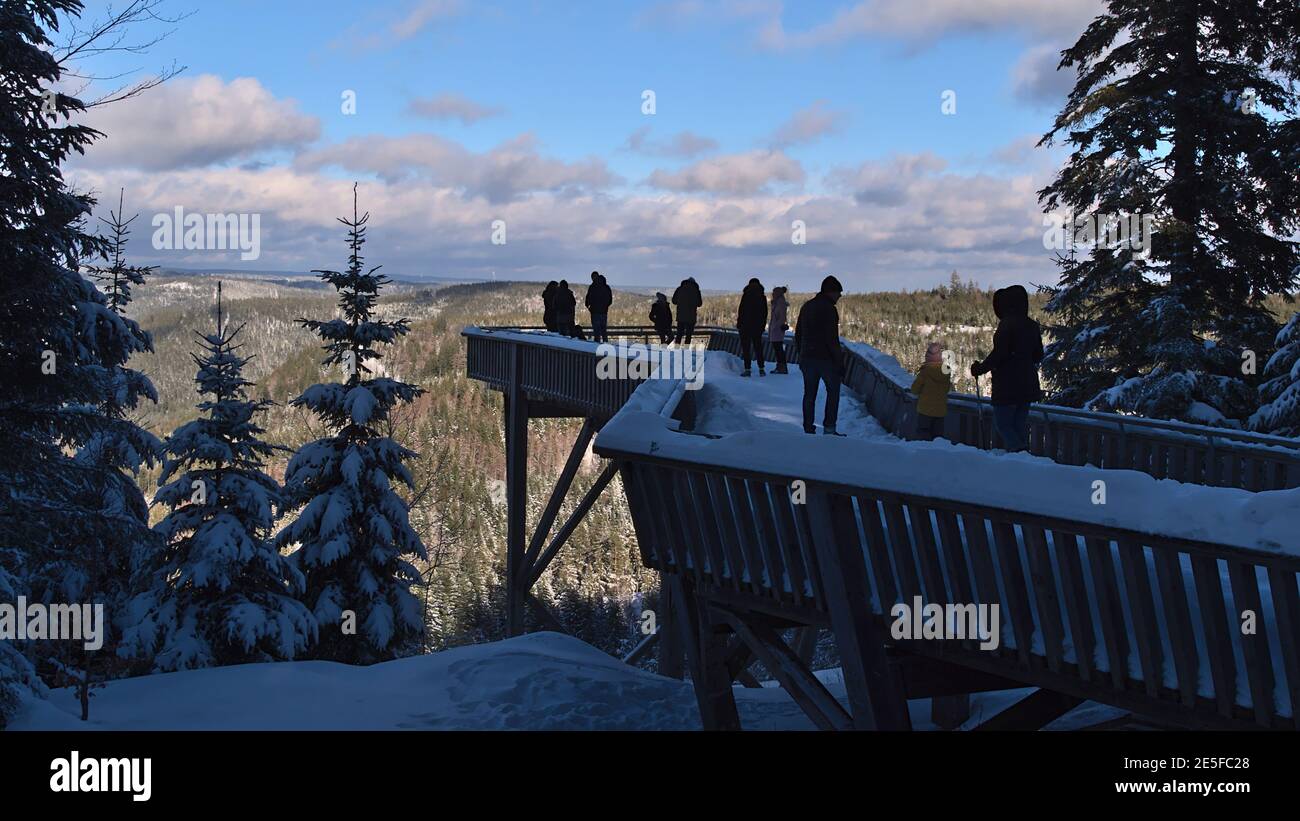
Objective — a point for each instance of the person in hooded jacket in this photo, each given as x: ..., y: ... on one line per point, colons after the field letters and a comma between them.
x: 548, y: 302
x: 688, y: 300
x: 599, y: 298
x: 661, y: 316
x: 1017, y: 350
x: 821, y: 360
x: 751, y: 319
x: 777, y: 326
x: 565, y: 308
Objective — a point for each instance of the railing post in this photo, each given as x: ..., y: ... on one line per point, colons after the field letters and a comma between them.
x: 516, y: 434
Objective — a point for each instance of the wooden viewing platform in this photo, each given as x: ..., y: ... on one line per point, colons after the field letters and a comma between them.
x: 1147, y: 623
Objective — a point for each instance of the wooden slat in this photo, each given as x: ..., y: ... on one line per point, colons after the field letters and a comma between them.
x: 788, y: 541
x: 954, y: 555
x: 1259, y: 664
x: 1015, y: 588
x: 1178, y: 617
x: 1215, y: 624
x: 1077, y: 603
x: 900, y: 543
x: 748, y: 535
x: 706, y: 520
x: 928, y: 555
x: 1045, y: 596
x: 1286, y: 610
x: 768, y: 540
x: 878, y: 551
x: 725, y: 525
x: 1146, y: 630
x: 1109, y: 610
x: 981, y: 558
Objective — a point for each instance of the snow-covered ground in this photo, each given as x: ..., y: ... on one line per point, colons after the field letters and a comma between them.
x: 542, y: 681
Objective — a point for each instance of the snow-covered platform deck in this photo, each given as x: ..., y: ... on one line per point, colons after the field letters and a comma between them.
x: 1135, y: 598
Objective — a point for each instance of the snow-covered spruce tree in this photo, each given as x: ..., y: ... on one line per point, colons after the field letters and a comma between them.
x: 1184, y: 110
x: 353, y: 529
x: 60, y: 343
x: 219, y: 591
x: 1279, y: 410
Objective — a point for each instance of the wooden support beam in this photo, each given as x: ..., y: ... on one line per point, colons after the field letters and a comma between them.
x: 671, y: 655
x: 1033, y: 712
x: 516, y: 435
x: 796, y: 679
x: 544, y: 614
x: 874, y: 687
x: 558, y: 493
x: 707, y: 657
x: 805, y: 643
x: 570, y: 524
x: 642, y: 648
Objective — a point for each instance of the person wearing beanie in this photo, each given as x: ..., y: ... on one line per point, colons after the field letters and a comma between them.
x: 931, y: 386
x: 817, y: 340
x: 777, y: 326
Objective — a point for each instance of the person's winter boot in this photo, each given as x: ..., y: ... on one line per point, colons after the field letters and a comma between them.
x: 762, y: 372
x: 831, y: 432
x: 780, y: 369
x: 810, y: 430
x: 745, y: 372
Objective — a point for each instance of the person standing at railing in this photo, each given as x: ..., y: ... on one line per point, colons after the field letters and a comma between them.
x: 548, y: 305
x: 777, y: 326
x: 751, y: 318
x: 599, y: 298
x: 1017, y: 350
x: 565, y: 308
x: 688, y: 300
x: 817, y: 339
x: 931, y: 387
x: 661, y: 316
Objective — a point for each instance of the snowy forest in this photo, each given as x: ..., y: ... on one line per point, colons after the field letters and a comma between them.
x: 260, y: 468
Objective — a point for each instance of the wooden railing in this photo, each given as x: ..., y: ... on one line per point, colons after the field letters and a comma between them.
x: 1142, y: 622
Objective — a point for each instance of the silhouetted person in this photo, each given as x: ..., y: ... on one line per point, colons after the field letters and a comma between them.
x: 931, y: 387
x: 751, y: 319
x: 565, y: 307
x: 817, y: 339
x: 548, y: 300
x: 688, y: 300
x: 661, y: 316
x: 599, y: 298
x: 1017, y: 350
x: 777, y: 325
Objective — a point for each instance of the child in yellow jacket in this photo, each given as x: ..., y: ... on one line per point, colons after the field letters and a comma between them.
x: 931, y: 387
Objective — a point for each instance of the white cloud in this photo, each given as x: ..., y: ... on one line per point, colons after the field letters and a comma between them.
x: 510, y: 170
x: 744, y: 174
x: 1035, y: 78
x: 807, y: 124
x: 682, y: 144
x: 923, y: 21
x: 449, y: 106
x: 196, y: 121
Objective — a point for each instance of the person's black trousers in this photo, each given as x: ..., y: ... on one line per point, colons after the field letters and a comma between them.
x: 665, y: 333
x: 814, y: 371
x: 929, y: 427
x: 779, y: 349
x: 684, y: 331
x: 751, y: 347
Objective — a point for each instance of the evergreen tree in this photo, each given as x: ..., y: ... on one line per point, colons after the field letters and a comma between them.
x: 353, y: 530
x: 219, y: 591
x: 1183, y: 110
x: 1279, y: 411
x: 61, y: 345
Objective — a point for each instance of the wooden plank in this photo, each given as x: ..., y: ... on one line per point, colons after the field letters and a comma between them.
x: 1077, y: 603
x: 1178, y: 617
x: 724, y: 521
x: 875, y: 693
x: 1215, y: 625
x: 981, y: 559
x: 1286, y: 610
x: 1015, y: 590
x: 1109, y: 610
x: 954, y: 556
x: 878, y: 550
x: 1146, y: 630
x: 748, y: 535
x: 900, y: 542
x: 1043, y: 581
x: 804, y: 534
x: 767, y: 541
x: 707, y: 657
x: 787, y: 541
x: 706, y: 522
x: 936, y: 591
x: 1259, y: 664
x: 1033, y: 712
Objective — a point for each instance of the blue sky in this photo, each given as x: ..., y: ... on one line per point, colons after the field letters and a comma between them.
x: 531, y: 113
